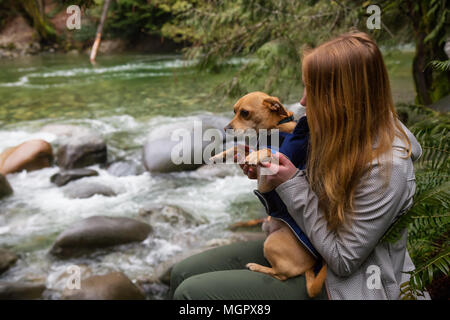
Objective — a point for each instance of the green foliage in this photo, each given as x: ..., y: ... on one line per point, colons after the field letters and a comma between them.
x: 8, y: 10
x: 428, y: 220
x: 440, y: 65
x: 218, y: 30
x: 270, y: 34
x: 132, y: 17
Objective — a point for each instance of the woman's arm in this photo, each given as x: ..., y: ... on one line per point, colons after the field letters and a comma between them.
x: 375, y: 208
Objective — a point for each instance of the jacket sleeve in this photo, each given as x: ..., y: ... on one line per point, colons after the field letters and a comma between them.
x: 376, y: 205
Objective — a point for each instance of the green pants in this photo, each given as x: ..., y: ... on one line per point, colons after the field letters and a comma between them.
x: 220, y: 274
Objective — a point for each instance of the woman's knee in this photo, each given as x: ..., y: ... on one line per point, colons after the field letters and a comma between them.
x: 189, y: 289
x: 178, y: 274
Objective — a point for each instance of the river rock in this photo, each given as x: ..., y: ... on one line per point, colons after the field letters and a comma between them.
x: 64, y: 177
x: 159, y: 147
x: 167, y: 214
x: 84, y: 190
x: 78, y: 146
x: 21, y: 291
x: 30, y: 155
x: 125, y: 168
x: 98, y: 232
x: 112, y: 286
x: 7, y: 259
x: 5, y: 187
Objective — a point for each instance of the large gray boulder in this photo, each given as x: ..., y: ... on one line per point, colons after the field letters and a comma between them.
x: 5, y: 187
x: 78, y: 146
x: 112, y: 286
x: 7, y: 259
x: 159, y: 149
x: 98, y: 232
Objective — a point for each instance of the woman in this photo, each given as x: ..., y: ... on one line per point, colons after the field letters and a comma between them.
x: 359, y: 178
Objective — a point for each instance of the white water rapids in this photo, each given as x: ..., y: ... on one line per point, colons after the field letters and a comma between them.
x: 38, y: 211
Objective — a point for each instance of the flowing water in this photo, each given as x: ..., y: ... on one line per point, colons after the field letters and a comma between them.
x: 124, y: 98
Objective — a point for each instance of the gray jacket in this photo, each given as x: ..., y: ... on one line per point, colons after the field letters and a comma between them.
x: 359, y: 266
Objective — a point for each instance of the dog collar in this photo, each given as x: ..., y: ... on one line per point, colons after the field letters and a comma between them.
x: 285, y: 120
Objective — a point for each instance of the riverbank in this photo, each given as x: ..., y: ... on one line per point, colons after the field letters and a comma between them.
x: 19, y: 38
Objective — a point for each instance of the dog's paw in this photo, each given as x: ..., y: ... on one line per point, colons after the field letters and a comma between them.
x: 259, y: 156
x: 252, y: 266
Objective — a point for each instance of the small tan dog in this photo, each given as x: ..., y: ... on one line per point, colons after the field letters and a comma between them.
x: 286, y: 254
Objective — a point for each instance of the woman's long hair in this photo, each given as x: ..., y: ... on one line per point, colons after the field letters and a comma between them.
x: 351, y: 117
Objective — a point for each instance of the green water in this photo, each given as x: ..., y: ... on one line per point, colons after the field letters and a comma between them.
x: 65, y: 87
x: 68, y: 87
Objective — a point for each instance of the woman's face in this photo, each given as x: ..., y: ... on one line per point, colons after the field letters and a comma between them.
x: 303, y: 99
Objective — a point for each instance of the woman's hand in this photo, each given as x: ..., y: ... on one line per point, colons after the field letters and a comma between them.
x: 275, y: 174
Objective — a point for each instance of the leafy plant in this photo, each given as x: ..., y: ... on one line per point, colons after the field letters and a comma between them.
x: 440, y: 65
x: 428, y: 220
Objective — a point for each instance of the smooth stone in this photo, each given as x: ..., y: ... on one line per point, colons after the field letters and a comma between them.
x: 78, y: 146
x: 84, y: 190
x: 64, y: 177
x: 30, y: 155
x: 158, y: 149
x: 168, y: 214
x: 5, y: 187
x: 7, y: 259
x: 21, y: 291
x: 112, y: 286
x: 98, y: 232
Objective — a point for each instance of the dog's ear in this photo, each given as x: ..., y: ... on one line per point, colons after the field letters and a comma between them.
x: 274, y: 104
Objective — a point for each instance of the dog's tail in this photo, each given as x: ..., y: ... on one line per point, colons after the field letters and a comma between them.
x: 314, y: 283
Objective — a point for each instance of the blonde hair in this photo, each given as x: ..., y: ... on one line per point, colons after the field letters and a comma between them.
x: 351, y: 117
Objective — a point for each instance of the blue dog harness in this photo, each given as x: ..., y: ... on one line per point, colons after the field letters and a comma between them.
x: 294, y: 146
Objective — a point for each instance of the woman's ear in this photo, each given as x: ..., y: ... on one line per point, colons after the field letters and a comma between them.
x: 274, y: 104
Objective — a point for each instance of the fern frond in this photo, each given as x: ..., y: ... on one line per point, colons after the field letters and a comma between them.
x: 440, y: 65
x: 424, y: 274
x: 424, y: 204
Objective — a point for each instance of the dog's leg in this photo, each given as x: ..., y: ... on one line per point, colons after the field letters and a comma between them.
x: 229, y: 154
x: 314, y: 283
x: 259, y: 156
x: 266, y: 270
x: 246, y: 224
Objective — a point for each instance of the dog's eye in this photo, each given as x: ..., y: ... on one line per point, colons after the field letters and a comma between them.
x: 244, y: 113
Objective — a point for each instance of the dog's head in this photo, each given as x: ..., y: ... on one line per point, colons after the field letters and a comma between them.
x: 257, y: 110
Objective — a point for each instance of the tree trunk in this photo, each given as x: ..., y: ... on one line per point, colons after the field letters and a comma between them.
x: 40, y: 24
x: 98, y: 36
x: 422, y: 75
x: 431, y: 85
